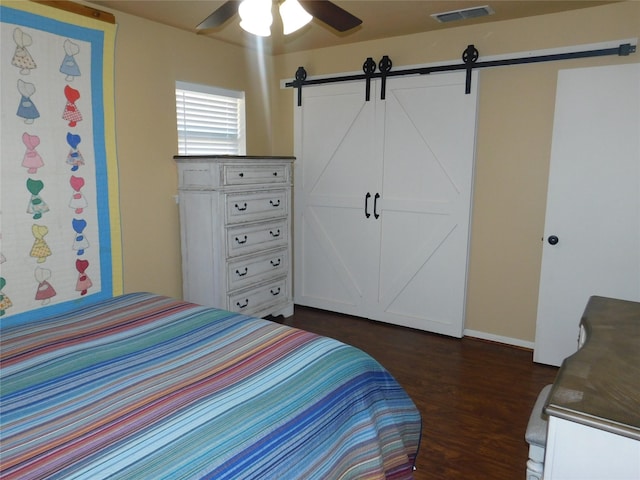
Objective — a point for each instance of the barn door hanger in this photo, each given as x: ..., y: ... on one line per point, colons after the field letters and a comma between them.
x: 369, y: 72
x: 369, y: 69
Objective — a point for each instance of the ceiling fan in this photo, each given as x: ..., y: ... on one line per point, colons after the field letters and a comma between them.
x: 256, y: 15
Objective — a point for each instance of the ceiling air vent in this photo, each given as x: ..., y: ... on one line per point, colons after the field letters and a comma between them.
x: 465, y: 13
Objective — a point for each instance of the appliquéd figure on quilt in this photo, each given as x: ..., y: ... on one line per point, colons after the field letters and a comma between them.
x: 21, y: 57
x: 32, y: 160
x: 74, y: 157
x: 5, y: 301
x: 37, y: 206
x: 78, y: 201
x: 2, y: 257
x: 71, y: 112
x: 80, y: 242
x: 40, y: 250
x: 45, y: 291
x: 83, y: 283
x: 69, y: 66
x: 26, y: 108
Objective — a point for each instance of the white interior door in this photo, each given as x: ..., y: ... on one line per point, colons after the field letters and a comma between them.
x: 593, y: 203
x: 400, y: 254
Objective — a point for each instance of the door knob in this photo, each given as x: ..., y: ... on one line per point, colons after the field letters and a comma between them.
x: 553, y: 240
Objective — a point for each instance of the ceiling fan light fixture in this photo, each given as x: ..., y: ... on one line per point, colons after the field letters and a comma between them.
x: 294, y: 16
x: 255, y: 17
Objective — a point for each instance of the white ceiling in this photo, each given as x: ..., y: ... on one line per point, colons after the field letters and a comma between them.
x: 381, y: 19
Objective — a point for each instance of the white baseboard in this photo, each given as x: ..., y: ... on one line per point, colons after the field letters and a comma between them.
x: 499, y: 339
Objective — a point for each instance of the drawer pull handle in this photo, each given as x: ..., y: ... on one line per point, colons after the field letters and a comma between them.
x: 274, y: 204
x: 275, y: 235
x: 246, y: 270
x: 276, y: 263
x: 275, y: 174
x: 240, y: 242
x: 243, y: 208
x: 275, y: 292
x: 241, y: 174
x: 243, y: 305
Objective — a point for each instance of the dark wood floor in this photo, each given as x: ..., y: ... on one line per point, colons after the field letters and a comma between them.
x: 475, y: 396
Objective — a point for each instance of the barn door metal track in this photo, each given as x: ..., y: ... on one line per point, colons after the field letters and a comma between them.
x: 469, y: 58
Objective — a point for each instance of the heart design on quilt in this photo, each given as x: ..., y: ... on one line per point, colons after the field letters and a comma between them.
x: 71, y: 94
x: 82, y: 265
x: 76, y: 183
x: 79, y: 225
x: 73, y: 140
x: 34, y: 186
x: 30, y: 141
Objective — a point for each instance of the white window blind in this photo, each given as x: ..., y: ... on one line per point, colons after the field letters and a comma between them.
x: 210, y: 120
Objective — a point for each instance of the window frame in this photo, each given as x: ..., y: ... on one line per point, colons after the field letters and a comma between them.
x: 237, y: 95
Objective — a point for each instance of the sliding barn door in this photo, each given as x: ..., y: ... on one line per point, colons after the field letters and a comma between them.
x: 382, y: 204
x: 338, y: 163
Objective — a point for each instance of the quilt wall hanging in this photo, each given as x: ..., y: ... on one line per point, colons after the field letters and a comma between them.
x: 60, y: 243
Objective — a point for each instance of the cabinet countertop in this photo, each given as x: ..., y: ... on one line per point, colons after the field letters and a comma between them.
x: 599, y: 385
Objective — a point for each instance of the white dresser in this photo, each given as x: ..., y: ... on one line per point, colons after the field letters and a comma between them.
x: 235, y: 221
x: 594, y: 404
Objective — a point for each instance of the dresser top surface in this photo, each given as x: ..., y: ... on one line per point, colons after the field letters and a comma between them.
x: 228, y: 158
x: 599, y: 385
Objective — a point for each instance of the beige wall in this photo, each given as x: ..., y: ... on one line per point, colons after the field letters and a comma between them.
x: 516, y: 106
x: 514, y: 133
x: 149, y: 59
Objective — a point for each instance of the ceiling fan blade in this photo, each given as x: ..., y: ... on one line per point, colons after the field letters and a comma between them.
x: 331, y: 14
x: 221, y: 15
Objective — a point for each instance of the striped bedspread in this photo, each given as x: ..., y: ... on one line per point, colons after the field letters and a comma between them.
x: 145, y: 386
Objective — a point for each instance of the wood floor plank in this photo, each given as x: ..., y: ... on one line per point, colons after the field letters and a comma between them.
x: 474, y: 396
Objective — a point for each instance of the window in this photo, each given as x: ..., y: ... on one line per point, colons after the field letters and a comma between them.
x: 210, y: 120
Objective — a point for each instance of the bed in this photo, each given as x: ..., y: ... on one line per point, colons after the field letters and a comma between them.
x: 146, y: 386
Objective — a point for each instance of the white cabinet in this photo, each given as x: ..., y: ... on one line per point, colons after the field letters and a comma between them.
x: 235, y: 220
x: 383, y: 200
x: 579, y: 452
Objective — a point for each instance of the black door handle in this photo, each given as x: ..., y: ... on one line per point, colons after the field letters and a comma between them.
x: 375, y: 205
x: 553, y: 240
x: 366, y: 205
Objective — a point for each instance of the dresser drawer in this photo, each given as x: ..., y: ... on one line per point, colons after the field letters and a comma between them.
x: 257, y: 268
x: 249, y: 207
x: 255, y: 174
x: 260, y: 297
x: 246, y: 239
x: 197, y: 176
